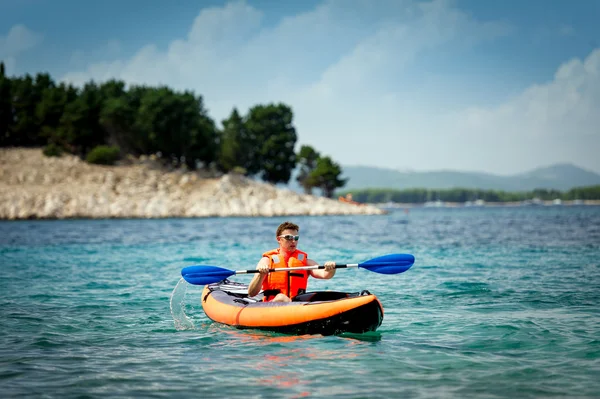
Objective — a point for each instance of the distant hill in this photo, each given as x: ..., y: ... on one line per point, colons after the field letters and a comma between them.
x: 561, y: 177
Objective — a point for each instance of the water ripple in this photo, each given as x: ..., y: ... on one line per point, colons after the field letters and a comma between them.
x: 500, y: 302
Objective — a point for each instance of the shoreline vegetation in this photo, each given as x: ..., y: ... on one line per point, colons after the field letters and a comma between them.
x: 137, y: 151
x: 106, y: 123
x: 34, y: 186
x: 456, y: 197
x: 112, y: 151
x: 474, y: 204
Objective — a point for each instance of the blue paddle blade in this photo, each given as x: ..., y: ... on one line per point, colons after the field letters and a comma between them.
x: 389, y: 264
x: 202, y: 275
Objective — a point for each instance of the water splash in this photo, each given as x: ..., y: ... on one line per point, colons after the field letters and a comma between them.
x: 181, y: 320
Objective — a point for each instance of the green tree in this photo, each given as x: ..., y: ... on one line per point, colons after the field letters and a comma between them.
x: 50, y: 110
x: 80, y: 127
x: 137, y: 136
x: 307, y: 158
x: 178, y: 126
x: 117, y: 116
x: 232, y: 150
x: 327, y: 176
x: 583, y: 193
x: 26, y: 94
x: 204, y: 144
x: 420, y: 195
x: 6, y: 115
x: 269, y: 130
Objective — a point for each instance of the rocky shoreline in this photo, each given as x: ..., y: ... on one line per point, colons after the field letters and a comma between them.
x: 33, y: 186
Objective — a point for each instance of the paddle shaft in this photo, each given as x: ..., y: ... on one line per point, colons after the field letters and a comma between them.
x: 387, y: 264
x: 287, y: 269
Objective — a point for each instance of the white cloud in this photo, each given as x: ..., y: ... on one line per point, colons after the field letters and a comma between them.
x: 352, y: 72
x: 227, y: 51
x: 18, y: 40
x: 552, y: 122
x: 110, y: 49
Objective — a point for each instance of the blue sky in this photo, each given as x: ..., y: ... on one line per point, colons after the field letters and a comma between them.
x: 492, y: 86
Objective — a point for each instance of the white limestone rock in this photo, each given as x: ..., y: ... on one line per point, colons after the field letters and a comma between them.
x: 35, y: 186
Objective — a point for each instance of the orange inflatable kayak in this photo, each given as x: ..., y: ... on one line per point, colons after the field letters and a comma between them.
x: 320, y: 312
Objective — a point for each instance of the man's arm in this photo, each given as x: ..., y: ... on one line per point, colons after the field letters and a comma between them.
x: 326, y: 273
x: 256, y: 283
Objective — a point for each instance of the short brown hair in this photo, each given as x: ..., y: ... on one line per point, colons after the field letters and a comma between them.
x: 286, y: 226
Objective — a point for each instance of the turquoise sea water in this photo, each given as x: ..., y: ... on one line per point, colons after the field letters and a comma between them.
x: 501, y: 302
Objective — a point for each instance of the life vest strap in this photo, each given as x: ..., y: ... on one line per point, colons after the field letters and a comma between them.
x: 270, y: 293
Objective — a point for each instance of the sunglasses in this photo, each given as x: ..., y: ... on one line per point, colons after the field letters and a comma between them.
x: 289, y: 237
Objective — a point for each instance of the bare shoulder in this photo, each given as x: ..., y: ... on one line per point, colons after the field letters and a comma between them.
x: 310, y: 262
x: 263, y: 261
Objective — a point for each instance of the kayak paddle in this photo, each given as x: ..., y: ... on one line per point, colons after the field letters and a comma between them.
x: 387, y: 264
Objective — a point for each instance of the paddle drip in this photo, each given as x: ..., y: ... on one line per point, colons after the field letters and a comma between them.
x: 182, y: 322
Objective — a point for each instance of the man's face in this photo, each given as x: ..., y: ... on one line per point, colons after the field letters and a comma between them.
x: 287, y: 240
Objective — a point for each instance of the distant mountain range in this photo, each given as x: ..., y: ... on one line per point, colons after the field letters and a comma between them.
x: 561, y: 177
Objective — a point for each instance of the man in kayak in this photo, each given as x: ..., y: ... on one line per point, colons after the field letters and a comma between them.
x: 281, y: 286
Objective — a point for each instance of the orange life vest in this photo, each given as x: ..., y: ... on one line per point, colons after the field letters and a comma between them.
x: 289, y: 283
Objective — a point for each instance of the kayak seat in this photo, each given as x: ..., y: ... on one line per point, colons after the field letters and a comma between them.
x: 320, y: 296
x: 246, y: 300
